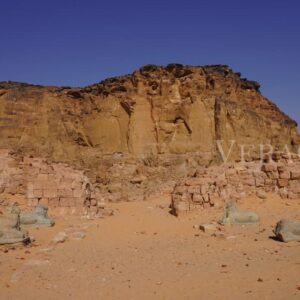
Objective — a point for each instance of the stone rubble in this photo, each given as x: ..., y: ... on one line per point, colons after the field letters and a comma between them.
x: 60, y: 237
x: 33, y: 182
x: 213, y: 186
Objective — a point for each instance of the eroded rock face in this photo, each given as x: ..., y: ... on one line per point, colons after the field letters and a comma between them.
x: 137, y: 134
x: 176, y: 109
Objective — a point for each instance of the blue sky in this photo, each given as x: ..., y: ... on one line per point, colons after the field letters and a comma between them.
x: 82, y: 42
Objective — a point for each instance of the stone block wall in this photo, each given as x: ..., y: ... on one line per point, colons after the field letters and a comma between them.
x: 31, y: 181
x: 214, y: 186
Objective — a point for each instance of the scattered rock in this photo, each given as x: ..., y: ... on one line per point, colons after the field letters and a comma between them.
x: 213, y: 186
x: 261, y: 195
x: 208, y: 227
x: 61, y: 237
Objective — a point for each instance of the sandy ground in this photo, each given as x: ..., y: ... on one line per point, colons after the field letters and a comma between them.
x: 143, y: 252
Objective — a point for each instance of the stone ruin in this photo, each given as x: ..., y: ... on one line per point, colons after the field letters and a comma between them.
x: 216, y: 185
x: 134, y: 134
x: 131, y: 137
x: 28, y: 186
x: 34, y: 181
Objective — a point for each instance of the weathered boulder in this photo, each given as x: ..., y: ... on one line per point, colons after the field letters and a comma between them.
x: 60, y: 237
x: 234, y: 216
x: 287, y: 230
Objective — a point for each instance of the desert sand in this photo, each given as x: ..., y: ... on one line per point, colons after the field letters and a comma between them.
x: 144, y: 252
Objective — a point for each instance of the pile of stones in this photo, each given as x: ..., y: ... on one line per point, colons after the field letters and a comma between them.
x: 214, y: 186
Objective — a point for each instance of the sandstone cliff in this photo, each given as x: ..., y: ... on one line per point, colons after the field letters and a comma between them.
x: 145, y: 127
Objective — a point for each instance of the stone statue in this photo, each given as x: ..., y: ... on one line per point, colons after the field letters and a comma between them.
x: 287, y: 231
x: 234, y: 216
x: 10, y: 231
x: 39, y: 216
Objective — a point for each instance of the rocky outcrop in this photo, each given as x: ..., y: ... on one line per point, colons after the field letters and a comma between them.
x: 139, y: 133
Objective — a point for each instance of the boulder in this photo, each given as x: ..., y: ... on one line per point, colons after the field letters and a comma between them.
x: 61, y: 237
x: 287, y: 230
x: 208, y: 227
